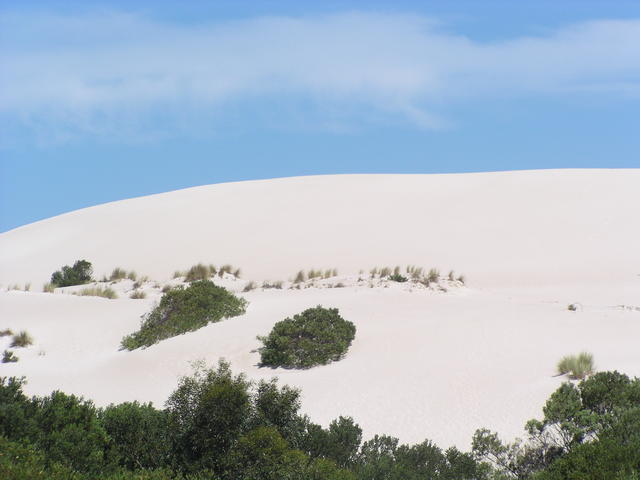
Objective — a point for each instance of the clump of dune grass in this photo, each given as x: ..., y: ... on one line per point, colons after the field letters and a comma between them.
x: 166, y: 288
x: 27, y: 287
x: 433, y: 275
x: 576, y: 366
x: 277, y: 285
x: 22, y: 339
x: 249, y: 286
x: 118, y: 274
x: 300, y: 277
x: 385, y: 272
x: 225, y: 269
x: 461, y: 279
x: 49, y: 287
x: 98, y: 292
x: 9, y: 357
x: 6, y: 332
x: 178, y: 274
x: 138, y: 295
x: 198, y: 272
x: 132, y: 275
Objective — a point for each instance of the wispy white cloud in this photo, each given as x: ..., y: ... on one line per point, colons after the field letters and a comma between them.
x: 114, y: 70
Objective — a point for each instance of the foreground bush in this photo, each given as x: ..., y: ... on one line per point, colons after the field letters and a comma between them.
x: 184, y: 310
x: 577, y: 366
x: 79, y: 274
x: 314, y: 337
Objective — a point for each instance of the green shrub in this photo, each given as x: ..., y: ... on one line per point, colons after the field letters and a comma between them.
x: 396, y: 277
x: 22, y: 339
x: 184, y: 310
x: 314, y: 337
x: 577, y: 366
x: 9, y: 357
x: 138, y: 295
x: 105, y: 292
x: 79, y: 274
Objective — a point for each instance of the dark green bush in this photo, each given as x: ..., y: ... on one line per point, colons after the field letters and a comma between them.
x: 314, y: 337
x: 184, y: 310
x: 139, y: 434
x: 79, y: 274
x: 396, y: 277
x: 9, y: 357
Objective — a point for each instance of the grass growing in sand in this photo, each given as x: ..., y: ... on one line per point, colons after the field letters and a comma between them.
x: 576, y: 366
x: 105, y: 292
x: 22, y: 339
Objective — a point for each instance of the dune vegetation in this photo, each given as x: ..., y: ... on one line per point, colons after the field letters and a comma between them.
x: 184, y: 310
x: 217, y: 425
x: 316, y: 336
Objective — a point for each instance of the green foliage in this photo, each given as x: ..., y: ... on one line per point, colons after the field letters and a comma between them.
x: 68, y: 431
x: 577, y: 366
x: 79, y: 274
x: 396, y: 277
x: 9, y: 357
x: 589, y: 431
x: 184, y: 310
x: 104, y: 292
x: 22, y: 339
x: 139, y: 435
x: 207, y: 414
x: 314, y: 337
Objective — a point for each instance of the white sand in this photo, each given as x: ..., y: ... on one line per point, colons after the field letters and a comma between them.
x: 424, y: 364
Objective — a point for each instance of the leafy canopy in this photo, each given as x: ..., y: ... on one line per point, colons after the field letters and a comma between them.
x: 314, y: 337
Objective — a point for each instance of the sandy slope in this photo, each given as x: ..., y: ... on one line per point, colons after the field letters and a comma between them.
x: 424, y: 365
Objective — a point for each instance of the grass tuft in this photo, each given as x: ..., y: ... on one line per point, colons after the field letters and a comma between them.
x: 49, y: 287
x: 576, y: 366
x: 138, y: 295
x: 22, y: 339
x: 6, y: 332
x: 105, y: 292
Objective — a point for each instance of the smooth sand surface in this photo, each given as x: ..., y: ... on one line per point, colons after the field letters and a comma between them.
x: 424, y: 364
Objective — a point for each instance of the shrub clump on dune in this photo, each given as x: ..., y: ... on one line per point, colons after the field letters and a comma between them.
x: 79, y: 274
x: 316, y: 336
x: 107, y: 292
x: 184, y: 310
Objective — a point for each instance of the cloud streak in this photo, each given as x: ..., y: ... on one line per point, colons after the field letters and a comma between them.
x: 86, y: 72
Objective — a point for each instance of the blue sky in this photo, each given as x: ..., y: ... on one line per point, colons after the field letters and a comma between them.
x: 101, y: 101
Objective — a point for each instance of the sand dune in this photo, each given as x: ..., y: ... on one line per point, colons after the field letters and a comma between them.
x: 424, y: 364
